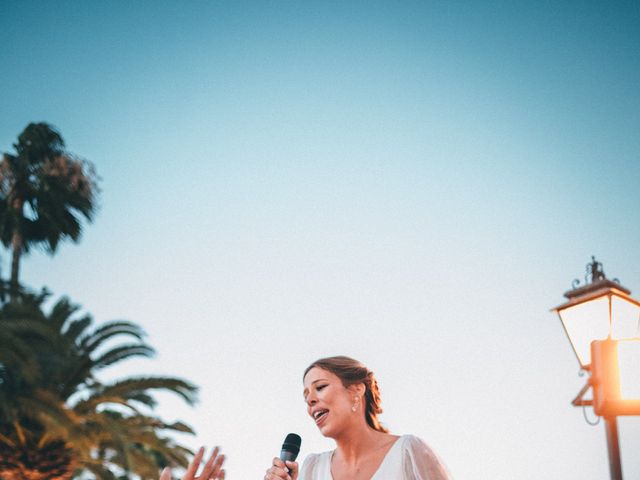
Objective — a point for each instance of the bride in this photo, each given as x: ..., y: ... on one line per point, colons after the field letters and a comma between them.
x: 343, y: 400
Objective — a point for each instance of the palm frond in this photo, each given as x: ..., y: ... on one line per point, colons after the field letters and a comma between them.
x: 117, y: 328
x: 61, y: 312
x: 122, y: 352
x: 133, y: 386
x: 104, y: 429
x: 76, y: 327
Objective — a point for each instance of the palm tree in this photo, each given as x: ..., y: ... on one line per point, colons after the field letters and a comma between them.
x: 58, y: 419
x: 44, y: 190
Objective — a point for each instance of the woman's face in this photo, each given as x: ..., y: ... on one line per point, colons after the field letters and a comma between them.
x: 329, y: 402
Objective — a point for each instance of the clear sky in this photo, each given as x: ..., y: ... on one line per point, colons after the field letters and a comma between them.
x: 411, y: 184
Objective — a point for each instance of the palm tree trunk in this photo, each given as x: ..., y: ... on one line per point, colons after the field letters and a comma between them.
x: 16, y: 245
x: 16, y: 249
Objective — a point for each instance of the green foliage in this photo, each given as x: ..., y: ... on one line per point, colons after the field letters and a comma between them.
x: 56, y: 413
x: 44, y: 192
x: 58, y: 419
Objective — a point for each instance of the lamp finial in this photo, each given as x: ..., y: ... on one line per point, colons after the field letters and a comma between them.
x: 595, y: 271
x: 594, y: 279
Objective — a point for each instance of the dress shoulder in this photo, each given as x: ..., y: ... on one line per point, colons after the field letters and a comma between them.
x: 420, y: 462
x: 312, y: 466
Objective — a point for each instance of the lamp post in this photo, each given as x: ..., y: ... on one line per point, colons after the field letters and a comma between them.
x: 595, y: 317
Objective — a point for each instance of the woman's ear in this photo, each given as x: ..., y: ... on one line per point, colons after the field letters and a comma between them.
x: 358, y: 389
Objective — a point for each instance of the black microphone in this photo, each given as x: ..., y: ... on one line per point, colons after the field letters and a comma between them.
x: 290, y: 448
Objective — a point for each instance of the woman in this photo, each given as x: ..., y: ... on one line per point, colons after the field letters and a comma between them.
x: 342, y: 398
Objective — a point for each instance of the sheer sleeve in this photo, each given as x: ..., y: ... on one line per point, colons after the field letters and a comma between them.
x: 421, y: 463
x: 308, y: 467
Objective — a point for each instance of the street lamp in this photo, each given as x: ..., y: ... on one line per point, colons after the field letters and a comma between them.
x: 600, y: 309
x: 596, y: 317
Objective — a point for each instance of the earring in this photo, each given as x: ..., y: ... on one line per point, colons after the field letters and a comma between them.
x: 355, y: 405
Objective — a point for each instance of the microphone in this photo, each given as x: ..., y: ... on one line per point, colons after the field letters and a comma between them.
x: 290, y: 448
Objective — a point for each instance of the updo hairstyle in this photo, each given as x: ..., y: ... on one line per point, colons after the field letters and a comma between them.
x: 352, y: 372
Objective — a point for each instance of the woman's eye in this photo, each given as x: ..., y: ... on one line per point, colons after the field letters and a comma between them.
x: 320, y: 387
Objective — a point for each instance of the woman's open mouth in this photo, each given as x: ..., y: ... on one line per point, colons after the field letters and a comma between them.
x: 320, y: 416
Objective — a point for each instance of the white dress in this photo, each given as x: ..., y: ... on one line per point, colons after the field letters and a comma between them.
x: 408, y: 459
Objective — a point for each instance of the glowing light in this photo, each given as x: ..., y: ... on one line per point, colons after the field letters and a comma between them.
x: 615, y: 377
x: 598, y: 315
x: 629, y: 365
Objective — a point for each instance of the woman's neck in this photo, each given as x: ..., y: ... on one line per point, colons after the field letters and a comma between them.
x: 356, y: 441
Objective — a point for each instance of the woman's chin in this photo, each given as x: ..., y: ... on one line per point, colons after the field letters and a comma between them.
x: 325, y: 431
x: 328, y: 432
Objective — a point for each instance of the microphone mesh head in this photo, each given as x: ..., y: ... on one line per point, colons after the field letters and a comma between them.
x: 292, y: 443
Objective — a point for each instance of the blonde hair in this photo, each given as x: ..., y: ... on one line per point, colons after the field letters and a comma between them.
x: 352, y: 372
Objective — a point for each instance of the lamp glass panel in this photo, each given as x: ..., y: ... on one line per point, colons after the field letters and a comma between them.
x: 584, y: 323
x: 625, y: 319
x: 629, y: 368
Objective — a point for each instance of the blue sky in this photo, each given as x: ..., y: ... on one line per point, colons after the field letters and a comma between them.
x: 412, y: 184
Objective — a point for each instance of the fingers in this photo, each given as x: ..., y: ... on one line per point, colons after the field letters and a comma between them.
x: 193, y: 466
x: 213, y: 467
x: 212, y: 470
x: 278, y: 470
x: 293, y: 469
x: 166, y: 474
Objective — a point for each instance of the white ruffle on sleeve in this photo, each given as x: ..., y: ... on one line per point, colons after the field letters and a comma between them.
x: 420, y: 462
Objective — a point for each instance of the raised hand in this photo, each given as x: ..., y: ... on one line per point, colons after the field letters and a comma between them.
x: 212, y: 470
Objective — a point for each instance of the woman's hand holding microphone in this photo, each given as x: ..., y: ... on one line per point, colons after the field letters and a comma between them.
x: 282, y: 470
